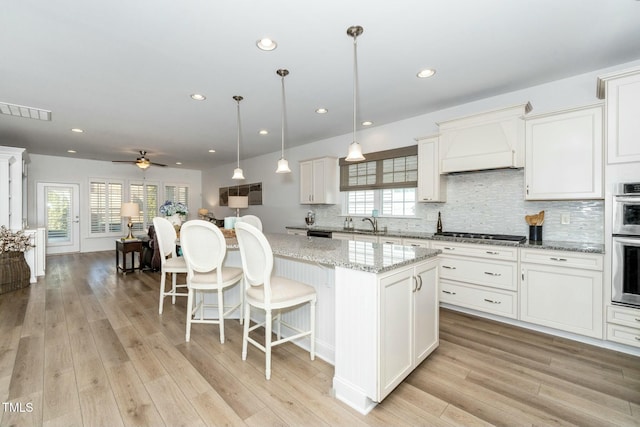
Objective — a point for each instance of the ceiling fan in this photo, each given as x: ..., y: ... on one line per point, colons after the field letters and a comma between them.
x: 142, y: 162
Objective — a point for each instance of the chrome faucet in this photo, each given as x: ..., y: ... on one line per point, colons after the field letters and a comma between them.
x: 374, y: 223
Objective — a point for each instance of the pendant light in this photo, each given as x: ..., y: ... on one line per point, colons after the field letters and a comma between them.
x: 237, y: 172
x: 355, y: 151
x: 283, y: 164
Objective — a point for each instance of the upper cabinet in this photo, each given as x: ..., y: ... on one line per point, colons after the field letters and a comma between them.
x: 319, y: 181
x: 622, y: 93
x: 564, y: 153
x: 489, y: 140
x: 11, y: 187
x: 431, y: 186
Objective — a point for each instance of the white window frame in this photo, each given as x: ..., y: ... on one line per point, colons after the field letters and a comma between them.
x: 147, y: 219
x: 106, y: 182
x: 377, y: 204
x: 178, y: 186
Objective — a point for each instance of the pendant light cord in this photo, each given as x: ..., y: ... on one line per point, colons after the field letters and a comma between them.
x: 355, y: 84
x: 282, y: 116
x: 238, y: 120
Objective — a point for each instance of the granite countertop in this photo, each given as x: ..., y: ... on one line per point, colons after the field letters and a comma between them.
x: 354, y: 255
x: 596, y: 248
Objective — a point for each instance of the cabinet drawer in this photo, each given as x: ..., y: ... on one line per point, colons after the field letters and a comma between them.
x: 390, y: 240
x: 506, y: 253
x: 493, y: 301
x: 562, y: 259
x: 497, y: 274
x: 624, y: 316
x: 419, y: 243
x: 623, y: 335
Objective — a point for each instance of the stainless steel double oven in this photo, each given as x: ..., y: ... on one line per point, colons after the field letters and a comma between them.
x: 626, y: 245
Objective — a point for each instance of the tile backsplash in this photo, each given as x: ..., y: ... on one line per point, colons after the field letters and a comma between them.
x: 492, y: 202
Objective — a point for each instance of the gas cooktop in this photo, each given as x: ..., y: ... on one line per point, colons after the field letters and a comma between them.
x: 483, y: 236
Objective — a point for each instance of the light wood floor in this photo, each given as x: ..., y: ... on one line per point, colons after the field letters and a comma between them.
x: 86, y: 346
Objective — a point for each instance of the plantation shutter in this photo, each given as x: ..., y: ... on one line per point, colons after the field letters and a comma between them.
x: 396, y: 168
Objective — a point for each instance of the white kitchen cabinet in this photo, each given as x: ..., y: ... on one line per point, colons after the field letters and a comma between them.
x: 372, y: 238
x: 621, y: 90
x: 319, y: 181
x: 564, y: 155
x: 11, y: 187
x: 488, y: 140
x: 431, y: 185
x: 342, y: 236
x: 417, y: 243
x: 480, y: 277
x: 388, y: 325
x: 556, y: 293
x: 391, y: 240
x: 623, y: 325
x: 408, y: 323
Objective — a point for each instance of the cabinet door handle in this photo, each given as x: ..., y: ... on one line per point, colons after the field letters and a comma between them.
x: 638, y: 338
x: 492, y: 252
x: 492, y: 301
x: 492, y: 274
x: 557, y: 259
x: 415, y: 284
x: 415, y: 245
x: 448, y: 292
x: 448, y: 267
x: 449, y: 249
x: 637, y: 320
x: 420, y: 286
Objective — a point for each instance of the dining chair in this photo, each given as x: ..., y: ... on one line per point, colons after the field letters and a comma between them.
x: 204, y: 249
x: 170, y: 262
x: 253, y: 220
x: 270, y: 293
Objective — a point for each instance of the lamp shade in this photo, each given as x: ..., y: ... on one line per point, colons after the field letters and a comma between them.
x: 355, y: 153
x: 129, y: 209
x: 238, y: 202
x: 283, y: 166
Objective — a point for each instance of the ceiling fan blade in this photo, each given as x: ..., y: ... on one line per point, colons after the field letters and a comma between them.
x: 157, y: 164
x: 123, y: 161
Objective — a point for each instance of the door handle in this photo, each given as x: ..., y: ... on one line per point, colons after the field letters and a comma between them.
x: 492, y: 301
x: 492, y: 274
x: 448, y: 267
x: 448, y: 292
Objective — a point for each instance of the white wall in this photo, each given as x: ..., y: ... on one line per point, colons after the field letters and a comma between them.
x: 280, y: 192
x: 68, y: 170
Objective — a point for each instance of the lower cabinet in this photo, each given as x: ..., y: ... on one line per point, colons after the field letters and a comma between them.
x: 481, y: 298
x: 408, y: 323
x: 623, y: 325
x: 556, y: 294
x: 387, y: 324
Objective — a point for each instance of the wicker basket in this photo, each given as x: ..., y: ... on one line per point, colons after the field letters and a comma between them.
x: 14, y: 272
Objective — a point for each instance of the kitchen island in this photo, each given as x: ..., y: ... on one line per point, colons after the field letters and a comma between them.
x: 377, y: 309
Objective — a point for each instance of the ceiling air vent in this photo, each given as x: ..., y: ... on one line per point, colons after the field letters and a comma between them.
x: 23, y: 111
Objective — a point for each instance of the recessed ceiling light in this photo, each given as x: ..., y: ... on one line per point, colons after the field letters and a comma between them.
x: 367, y: 123
x: 263, y: 132
x: 71, y: 151
x: 266, y: 44
x: 427, y: 72
x: 77, y: 130
x: 322, y: 111
x: 212, y: 151
x: 178, y: 163
x: 198, y: 97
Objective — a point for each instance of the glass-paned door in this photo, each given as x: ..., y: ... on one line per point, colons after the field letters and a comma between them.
x: 58, y: 211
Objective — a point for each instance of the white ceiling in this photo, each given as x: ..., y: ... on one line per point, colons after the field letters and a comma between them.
x: 123, y: 70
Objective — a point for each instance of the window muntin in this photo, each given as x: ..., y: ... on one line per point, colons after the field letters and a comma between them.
x: 398, y: 202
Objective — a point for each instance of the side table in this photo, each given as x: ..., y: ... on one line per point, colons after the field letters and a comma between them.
x: 125, y: 247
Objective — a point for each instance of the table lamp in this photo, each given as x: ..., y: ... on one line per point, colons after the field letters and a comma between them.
x: 238, y: 202
x: 129, y: 210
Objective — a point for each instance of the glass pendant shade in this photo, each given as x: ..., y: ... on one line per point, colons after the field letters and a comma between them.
x: 283, y: 166
x: 355, y: 153
x: 237, y: 174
